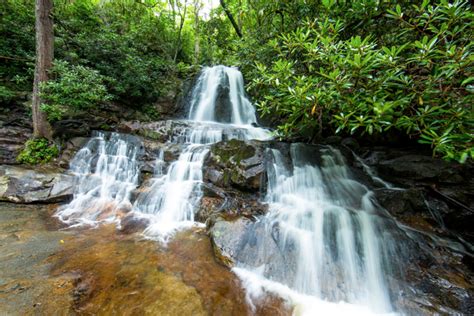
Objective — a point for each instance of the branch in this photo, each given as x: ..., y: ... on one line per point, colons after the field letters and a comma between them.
x: 16, y: 58
x: 231, y: 18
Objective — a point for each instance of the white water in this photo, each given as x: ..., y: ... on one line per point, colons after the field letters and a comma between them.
x: 328, y: 223
x: 171, y: 201
x: 325, y: 219
x: 210, y: 83
x: 106, y: 170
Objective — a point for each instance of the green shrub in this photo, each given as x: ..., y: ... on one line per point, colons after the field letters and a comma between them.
x: 72, y: 89
x: 420, y: 85
x: 37, y: 151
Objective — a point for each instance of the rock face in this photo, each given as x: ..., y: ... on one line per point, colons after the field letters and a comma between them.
x: 242, y: 240
x: 218, y: 204
x: 223, y: 104
x: 433, y: 201
x: 15, y: 129
x: 435, y: 190
x: 38, y: 185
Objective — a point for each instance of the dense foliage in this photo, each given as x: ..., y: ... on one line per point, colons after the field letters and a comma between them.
x: 72, y: 89
x: 419, y: 84
x: 129, y: 46
x: 367, y: 68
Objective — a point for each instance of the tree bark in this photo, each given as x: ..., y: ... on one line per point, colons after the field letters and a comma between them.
x: 197, y: 39
x: 44, y: 61
x: 231, y: 18
x: 182, y: 15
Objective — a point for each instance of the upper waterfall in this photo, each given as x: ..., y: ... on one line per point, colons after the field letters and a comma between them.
x: 219, y: 96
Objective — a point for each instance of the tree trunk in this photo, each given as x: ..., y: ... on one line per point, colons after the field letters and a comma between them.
x: 44, y: 61
x: 197, y: 39
x: 182, y: 15
x: 231, y: 18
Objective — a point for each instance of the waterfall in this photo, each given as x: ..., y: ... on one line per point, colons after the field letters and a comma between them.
x: 334, y: 241
x: 219, y: 96
x: 219, y: 111
x: 323, y: 246
x: 106, y: 170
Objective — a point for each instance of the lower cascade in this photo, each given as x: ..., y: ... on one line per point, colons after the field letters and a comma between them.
x: 325, y: 246
x: 323, y: 238
x: 107, y: 171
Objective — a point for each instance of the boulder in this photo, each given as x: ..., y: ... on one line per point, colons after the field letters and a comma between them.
x: 236, y: 164
x: 241, y: 241
x: 35, y: 185
x: 218, y: 204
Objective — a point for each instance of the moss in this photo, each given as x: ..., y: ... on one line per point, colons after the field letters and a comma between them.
x: 105, y: 127
x: 233, y: 150
x: 236, y: 176
x: 147, y: 133
x: 226, y: 177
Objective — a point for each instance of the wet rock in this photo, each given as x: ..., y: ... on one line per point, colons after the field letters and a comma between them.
x: 236, y: 163
x: 218, y: 203
x: 41, y: 184
x: 223, y: 105
x: 350, y: 143
x: 226, y: 239
x: 72, y: 146
x: 171, y: 152
x: 83, y: 290
x: 408, y: 168
x: 161, y: 131
x: 28, y: 240
x: 399, y: 202
x: 242, y: 240
x: 435, y: 279
x: 436, y: 190
x: 131, y: 224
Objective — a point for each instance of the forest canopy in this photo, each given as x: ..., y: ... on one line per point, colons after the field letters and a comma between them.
x: 369, y: 68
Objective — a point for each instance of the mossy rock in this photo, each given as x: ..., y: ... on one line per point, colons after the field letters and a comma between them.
x: 154, y: 135
x: 236, y: 163
x: 232, y: 151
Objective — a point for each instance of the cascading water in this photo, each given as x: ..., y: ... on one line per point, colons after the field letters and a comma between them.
x: 106, y: 170
x: 334, y: 242
x: 324, y: 241
x: 219, y: 110
x: 219, y: 96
